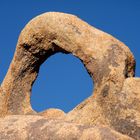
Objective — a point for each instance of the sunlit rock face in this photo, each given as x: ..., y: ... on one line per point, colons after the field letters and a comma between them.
x: 39, y: 128
x: 111, y: 113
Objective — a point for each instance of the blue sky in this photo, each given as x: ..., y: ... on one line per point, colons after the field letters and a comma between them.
x: 63, y: 81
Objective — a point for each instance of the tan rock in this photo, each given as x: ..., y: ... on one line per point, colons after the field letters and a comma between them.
x: 53, y: 113
x: 107, y: 60
x: 115, y: 100
x: 122, y: 115
x: 39, y: 128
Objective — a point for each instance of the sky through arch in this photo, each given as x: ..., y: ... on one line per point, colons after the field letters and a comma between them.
x: 63, y: 82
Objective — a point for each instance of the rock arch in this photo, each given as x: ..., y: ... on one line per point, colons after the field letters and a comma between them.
x: 108, y: 61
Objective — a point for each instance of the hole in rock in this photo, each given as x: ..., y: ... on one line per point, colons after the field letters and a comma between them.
x: 63, y: 82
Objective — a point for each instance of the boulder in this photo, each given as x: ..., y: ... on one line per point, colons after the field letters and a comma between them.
x: 53, y: 113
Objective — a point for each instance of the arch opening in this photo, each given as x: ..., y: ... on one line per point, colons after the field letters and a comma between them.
x: 63, y: 82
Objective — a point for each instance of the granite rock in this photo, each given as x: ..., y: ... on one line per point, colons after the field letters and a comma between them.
x: 115, y: 101
x: 39, y: 128
x: 53, y: 113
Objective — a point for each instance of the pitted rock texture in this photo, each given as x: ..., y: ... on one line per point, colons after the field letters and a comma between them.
x: 39, y: 128
x: 115, y: 101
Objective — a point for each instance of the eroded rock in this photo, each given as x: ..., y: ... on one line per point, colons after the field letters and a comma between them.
x: 110, y: 63
x: 39, y: 128
x: 53, y: 113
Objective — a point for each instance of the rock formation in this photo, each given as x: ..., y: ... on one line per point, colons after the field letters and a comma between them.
x: 39, y: 128
x: 53, y: 113
x: 110, y: 113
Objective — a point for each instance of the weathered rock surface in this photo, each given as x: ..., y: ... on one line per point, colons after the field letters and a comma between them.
x: 115, y: 102
x: 38, y: 128
x: 53, y: 113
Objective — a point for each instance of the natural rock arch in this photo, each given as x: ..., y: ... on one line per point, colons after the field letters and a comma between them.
x: 108, y: 61
x: 62, y: 82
